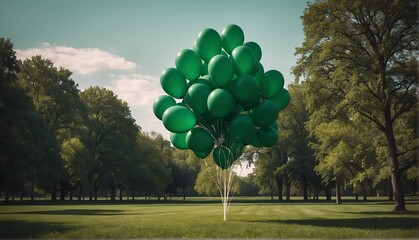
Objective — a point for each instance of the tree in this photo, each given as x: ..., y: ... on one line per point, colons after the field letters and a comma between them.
x: 55, y: 96
x: 359, y: 57
x: 110, y: 131
x: 27, y: 150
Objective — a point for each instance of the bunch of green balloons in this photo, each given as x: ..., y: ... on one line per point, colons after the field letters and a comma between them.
x: 226, y: 99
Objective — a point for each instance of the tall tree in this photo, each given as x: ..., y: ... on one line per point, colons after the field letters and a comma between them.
x: 109, y: 132
x: 27, y: 151
x: 359, y: 56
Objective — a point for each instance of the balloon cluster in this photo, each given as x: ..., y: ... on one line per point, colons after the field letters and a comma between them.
x: 228, y: 100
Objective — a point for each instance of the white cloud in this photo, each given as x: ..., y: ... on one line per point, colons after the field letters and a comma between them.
x: 140, y: 91
x: 82, y: 61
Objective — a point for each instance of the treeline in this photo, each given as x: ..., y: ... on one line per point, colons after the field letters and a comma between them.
x: 57, y: 140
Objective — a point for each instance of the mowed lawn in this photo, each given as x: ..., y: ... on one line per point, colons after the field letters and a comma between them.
x: 203, y: 219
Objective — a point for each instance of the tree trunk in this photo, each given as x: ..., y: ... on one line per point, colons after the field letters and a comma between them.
x: 394, y: 163
x: 54, y: 193
x: 132, y: 194
x: 305, y: 195
x: 364, y: 191
x: 32, y: 191
x: 338, y: 196
x: 90, y: 189
x: 390, y: 192
x: 287, y: 191
x: 328, y: 192
x: 279, y: 184
x: 120, y: 194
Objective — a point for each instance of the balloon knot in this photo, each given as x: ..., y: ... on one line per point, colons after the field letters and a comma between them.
x: 219, y: 141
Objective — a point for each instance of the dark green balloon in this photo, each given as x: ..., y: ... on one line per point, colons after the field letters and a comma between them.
x: 199, y: 140
x: 208, y: 44
x: 257, y: 51
x: 162, y: 103
x: 254, y: 140
x: 267, y: 136
x: 173, y: 82
x: 179, y: 140
x: 240, y: 127
x: 282, y: 98
x: 251, y: 102
x: 244, y: 60
x: 232, y: 36
x: 196, y: 97
x: 222, y: 157
x: 178, y: 119
x: 189, y: 63
x: 203, y: 155
x: 271, y: 83
x: 265, y: 113
x: 220, y: 102
x: 221, y: 70
x: 245, y: 88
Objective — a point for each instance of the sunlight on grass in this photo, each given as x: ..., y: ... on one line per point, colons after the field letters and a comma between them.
x: 204, y: 220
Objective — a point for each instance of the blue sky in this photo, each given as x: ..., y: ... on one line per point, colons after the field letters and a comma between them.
x: 125, y: 45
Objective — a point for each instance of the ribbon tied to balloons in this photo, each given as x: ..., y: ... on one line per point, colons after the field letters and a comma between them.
x: 219, y: 97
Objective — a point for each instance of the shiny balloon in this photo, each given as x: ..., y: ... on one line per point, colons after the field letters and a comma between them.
x: 178, y: 119
x: 265, y: 113
x: 267, y: 136
x: 208, y: 44
x: 232, y: 36
x: 220, y: 102
x: 199, y: 140
x: 179, y: 140
x: 271, y: 83
x: 258, y: 73
x: 257, y: 51
x: 196, y: 97
x: 189, y: 63
x: 162, y: 103
x: 240, y: 127
x: 220, y: 70
x: 222, y: 157
x: 282, y: 98
x: 173, y: 82
x: 245, y: 88
x: 244, y: 60
x: 203, y: 155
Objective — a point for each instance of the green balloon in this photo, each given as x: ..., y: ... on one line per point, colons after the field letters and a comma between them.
x: 206, y: 118
x: 220, y: 70
x: 240, y: 127
x: 222, y: 157
x: 254, y: 139
x: 267, y: 136
x: 258, y: 73
x: 245, y: 88
x: 271, y: 83
x: 178, y: 119
x: 196, y: 97
x: 162, y: 103
x: 232, y: 36
x: 282, y: 98
x: 199, y: 140
x: 250, y: 103
x: 208, y: 44
x: 244, y: 60
x: 203, y: 155
x: 179, y: 140
x: 265, y: 113
x: 220, y: 102
x: 173, y: 82
x: 189, y: 63
x: 257, y: 51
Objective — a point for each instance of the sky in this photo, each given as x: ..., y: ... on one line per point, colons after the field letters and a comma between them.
x: 125, y: 45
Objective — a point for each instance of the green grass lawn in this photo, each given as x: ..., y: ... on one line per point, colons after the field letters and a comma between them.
x: 202, y: 218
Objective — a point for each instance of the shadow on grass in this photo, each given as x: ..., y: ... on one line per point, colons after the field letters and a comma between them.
x: 407, y: 212
x: 23, y: 229
x: 359, y: 223
x: 102, y: 212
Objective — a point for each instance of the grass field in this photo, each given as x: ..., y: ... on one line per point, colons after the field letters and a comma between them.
x: 202, y: 218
